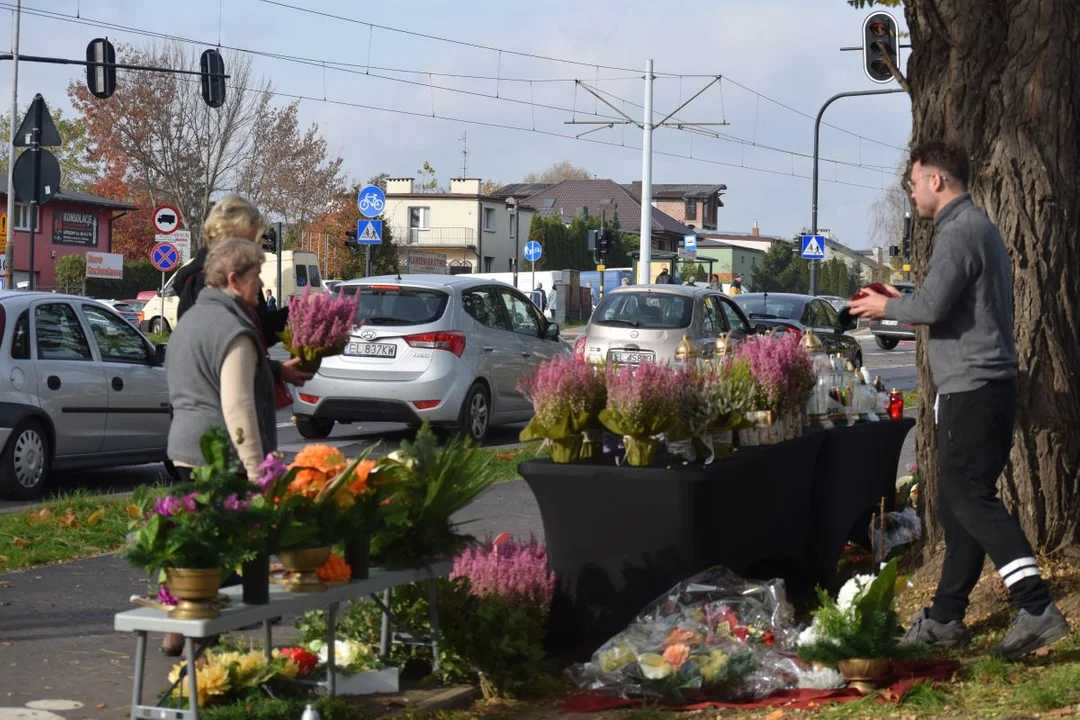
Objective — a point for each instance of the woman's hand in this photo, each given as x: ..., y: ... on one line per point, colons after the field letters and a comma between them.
x: 292, y: 374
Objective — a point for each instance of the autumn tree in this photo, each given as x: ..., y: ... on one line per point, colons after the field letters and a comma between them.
x: 77, y: 167
x: 427, y: 179
x: 562, y: 170
x: 1000, y: 81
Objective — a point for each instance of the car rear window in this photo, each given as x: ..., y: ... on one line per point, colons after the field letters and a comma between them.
x: 395, y: 305
x: 770, y: 307
x: 301, y: 276
x: 313, y: 276
x: 644, y: 310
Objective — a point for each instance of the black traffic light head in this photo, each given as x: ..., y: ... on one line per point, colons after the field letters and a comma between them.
x: 101, y: 78
x: 593, y: 244
x: 270, y: 241
x: 880, y: 41
x: 212, y: 68
x: 350, y: 239
x: 894, y: 251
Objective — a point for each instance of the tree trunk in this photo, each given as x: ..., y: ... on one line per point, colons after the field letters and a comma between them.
x: 1002, y: 78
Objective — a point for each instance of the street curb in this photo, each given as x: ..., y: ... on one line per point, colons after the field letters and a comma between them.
x: 105, y: 498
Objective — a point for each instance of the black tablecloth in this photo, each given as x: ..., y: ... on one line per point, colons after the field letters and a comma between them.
x: 618, y: 537
x: 856, y: 467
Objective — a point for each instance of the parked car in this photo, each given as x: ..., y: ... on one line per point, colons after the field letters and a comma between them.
x: 445, y: 348
x: 646, y: 323
x: 124, y: 310
x: 837, y: 302
x: 788, y: 312
x: 889, y: 333
x: 84, y: 389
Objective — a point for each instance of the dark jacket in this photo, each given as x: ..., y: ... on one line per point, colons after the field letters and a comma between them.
x: 190, y: 281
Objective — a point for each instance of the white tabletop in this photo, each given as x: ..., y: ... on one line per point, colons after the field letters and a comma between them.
x: 236, y: 614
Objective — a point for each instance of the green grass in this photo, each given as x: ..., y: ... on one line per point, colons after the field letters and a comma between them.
x: 159, y: 338
x: 68, y: 527
x: 506, y: 461
x: 911, y: 398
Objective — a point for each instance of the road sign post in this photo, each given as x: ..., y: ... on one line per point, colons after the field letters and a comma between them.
x: 813, y: 249
x: 164, y: 256
x: 36, y: 176
x: 533, y: 251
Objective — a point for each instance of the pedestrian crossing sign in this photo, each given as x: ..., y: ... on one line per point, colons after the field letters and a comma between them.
x: 813, y: 247
x: 369, y: 232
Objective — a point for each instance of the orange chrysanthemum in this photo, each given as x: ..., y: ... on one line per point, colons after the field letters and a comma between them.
x: 321, y: 457
x: 335, y: 569
x: 308, y: 482
x: 676, y: 655
x: 358, y: 482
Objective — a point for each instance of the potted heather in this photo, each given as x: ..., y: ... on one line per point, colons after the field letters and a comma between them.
x: 642, y: 403
x: 728, y: 393
x: 784, y: 377
x: 318, y: 327
x: 567, y: 396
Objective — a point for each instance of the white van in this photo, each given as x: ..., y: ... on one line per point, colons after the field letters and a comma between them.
x: 299, y: 270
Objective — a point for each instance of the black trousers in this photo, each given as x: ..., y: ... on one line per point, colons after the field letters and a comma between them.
x: 974, y: 437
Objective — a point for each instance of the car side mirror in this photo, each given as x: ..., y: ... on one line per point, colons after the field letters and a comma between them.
x: 159, y: 354
x: 552, y: 331
x: 847, y: 320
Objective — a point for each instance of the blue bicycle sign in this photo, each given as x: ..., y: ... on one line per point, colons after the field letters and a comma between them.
x: 371, y: 201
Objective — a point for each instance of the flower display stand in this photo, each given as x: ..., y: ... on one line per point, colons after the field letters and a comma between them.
x: 236, y: 615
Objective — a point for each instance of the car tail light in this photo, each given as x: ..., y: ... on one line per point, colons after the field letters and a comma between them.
x: 426, y: 404
x: 452, y: 341
x: 579, y: 348
x: 309, y: 399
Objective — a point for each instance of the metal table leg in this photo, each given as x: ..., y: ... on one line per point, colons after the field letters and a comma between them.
x: 268, y: 642
x: 384, y: 635
x: 193, y: 688
x: 433, y: 610
x: 331, y: 659
x: 140, y: 667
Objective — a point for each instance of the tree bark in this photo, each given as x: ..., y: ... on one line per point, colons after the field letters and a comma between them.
x: 1002, y: 78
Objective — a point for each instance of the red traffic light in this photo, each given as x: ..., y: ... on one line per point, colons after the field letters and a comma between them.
x: 879, y: 29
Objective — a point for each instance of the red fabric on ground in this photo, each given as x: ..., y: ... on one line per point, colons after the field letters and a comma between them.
x: 904, y: 676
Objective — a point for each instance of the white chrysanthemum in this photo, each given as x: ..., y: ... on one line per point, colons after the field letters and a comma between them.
x: 853, y: 589
x: 902, y: 482
x: 809, y: 636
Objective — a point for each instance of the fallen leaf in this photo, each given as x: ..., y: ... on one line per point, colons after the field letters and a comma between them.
x: 102, y: 706
x: 68, y: 520
x: 5, y: 584
x: 1042, y: 652
x: 133, y: 512
x: 1063, y: 712
x: 42, y: 515
x: 4, y: 559
x: 95, y: 517
x: 7, y: 643
x: 19, y: 542
x: 775, y: 715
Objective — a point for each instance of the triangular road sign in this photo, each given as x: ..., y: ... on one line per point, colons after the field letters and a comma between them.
x: 370, y: 233
x: 812, y: 248
x: 50, y: 137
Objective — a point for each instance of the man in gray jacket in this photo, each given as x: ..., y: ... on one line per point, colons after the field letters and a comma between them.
x: 967, y: 302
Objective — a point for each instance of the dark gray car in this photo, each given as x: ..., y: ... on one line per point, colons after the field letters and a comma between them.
x: 794, y: 313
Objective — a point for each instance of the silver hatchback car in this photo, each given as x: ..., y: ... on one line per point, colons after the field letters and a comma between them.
x: 80, y: 388
x: 450, y: 349
x: 646, y: 323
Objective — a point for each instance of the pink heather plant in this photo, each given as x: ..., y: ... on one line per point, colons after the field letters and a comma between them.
x: 515, y: 571
x: 642, y: 400
x: 782, y: 369
x: 562, y: 386
x: 319, y: 324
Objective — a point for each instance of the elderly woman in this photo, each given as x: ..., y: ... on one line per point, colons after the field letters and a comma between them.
x: 216, y: 367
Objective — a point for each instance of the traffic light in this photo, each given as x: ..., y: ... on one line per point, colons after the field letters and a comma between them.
x: 894, y: 251
x: 213, y: 78
x: 351, y: 239
x: 880, y: 41
x: 270, y: 241
x: 593, y: 244
x: 101, y: 78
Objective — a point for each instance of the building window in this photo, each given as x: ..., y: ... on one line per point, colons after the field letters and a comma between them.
x: 691, y: 210
x: 22, y: 218
x: 513, y: 224
x: 489, y: 220
x: 419, y: 219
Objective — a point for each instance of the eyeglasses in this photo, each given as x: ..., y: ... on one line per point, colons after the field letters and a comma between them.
x: 909, y: 186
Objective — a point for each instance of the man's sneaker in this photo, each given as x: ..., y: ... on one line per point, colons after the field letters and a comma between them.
x: 925, y: 629
x: 1031, y: 632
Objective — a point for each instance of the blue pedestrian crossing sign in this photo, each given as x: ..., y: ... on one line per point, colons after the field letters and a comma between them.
x: 369, y: 232
x: 533, y: 251
x: 813, y: 247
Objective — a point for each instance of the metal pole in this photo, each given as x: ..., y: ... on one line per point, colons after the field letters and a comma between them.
x: 645, y: 247
x: 817, y: 136
x: 280, y: 242
x: 9, y: 250
x: 368, y: 272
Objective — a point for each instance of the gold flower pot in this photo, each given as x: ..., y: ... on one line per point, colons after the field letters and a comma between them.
x: 301, y: 566
x: 864, y: 674
x: 196, y: 591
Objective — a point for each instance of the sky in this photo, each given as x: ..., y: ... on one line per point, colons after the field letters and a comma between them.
x: 778, y: 61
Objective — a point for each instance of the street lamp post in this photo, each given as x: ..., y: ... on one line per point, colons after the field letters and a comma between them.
x: 515, y: 222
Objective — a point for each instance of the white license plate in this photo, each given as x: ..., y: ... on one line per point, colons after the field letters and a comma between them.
x: 624, y: 357
x: 379, y: 350
x: 888, y: 322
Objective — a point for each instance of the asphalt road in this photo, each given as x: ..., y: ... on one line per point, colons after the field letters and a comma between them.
x: 895, y: 367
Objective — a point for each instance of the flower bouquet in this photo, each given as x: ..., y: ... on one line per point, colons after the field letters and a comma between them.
x: 193, y: 531
x: 567, y: 396
x: 784, y: 378
x: 641, y: 405
x: 860, y: 626
x: 714, y: 636
x: 729, y: 395
x: 225, y: 677
x: 318, y: 326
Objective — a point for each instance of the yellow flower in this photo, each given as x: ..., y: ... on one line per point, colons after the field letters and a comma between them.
x: 290, y: 669
x: 133, y: 512
x: 344, y: 499
x: 211, y: 681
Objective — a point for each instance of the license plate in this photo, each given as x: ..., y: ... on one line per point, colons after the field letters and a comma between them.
x: 888, y: 322
x: 624, y: 357
x: 379, y: 350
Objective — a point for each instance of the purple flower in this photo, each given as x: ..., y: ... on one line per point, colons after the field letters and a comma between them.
x: 516, y: 571
x: 564, y: 385
x: 270, y: 470
x: 321, y: 321
x: 189, y: 502
x: 165, y: 597
x: 167, y: 506
x: 782, y: 370
x: 639, y: 397
x: 233, y: 503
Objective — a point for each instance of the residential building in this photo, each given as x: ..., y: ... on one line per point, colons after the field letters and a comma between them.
x: 696, y: 206
x: 571, y: 198
x: 753, y: 240
x: 71, y: 223
x: 475, y: 232
x: 729, y: 260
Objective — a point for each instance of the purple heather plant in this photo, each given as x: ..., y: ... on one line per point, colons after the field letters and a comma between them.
x: 515, y: 571
x: 321, y: 321
x: 782, y: 370
x: 564, y: 385
x: 643, y: 396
